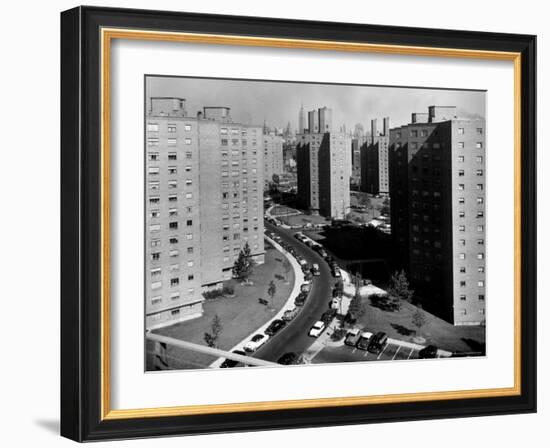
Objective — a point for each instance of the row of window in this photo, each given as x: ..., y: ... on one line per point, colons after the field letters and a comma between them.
x: 157, y: 300
x: 155, y: 141
x: 153, y: 156
x: 480, y: 283
x: 478, y: 173
x: 155, y: 184
x: 172, y: 225
x: 153, y: 200
x: 480, y: 297
x: 156, y: 242
x: 171, y: 127
x: 479, y: 256
x: 171, y: 212
x: 424, y: 132
x: 235, y: 142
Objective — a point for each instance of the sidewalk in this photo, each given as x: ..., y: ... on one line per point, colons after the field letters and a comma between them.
x: 298, y: 280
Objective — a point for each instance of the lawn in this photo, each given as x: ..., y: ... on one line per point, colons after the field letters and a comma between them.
x: 240, y: 315
x: 283, y: 210
x: 398, y: 325
x: 303, y: 220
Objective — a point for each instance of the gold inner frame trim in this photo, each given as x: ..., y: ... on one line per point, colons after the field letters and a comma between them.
x: 107, y: 35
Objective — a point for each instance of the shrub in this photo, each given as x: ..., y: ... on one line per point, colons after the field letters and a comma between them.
x: 228, y: 290
x: 337, y: 334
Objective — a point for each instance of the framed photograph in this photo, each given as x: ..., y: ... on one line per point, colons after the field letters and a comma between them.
x: 273, y: 223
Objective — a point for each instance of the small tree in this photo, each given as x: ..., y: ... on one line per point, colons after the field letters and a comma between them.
x: 271, y: 290
x: 244, y: 264
x: 216, y: 328
x: 419, y: 318
x: 356, y: 308
x: 399, y: 289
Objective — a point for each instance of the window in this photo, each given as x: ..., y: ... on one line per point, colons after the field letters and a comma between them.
x: 175, y: 312
x: 155, y: 243
x: 172, y: 156
x: 462, y: 242
x: 189, y: 236
x: 156, y: 285
x: 461, y: 158
x: 154, y: 228
x: 481, y: 269
x: 189, y: 222
x: 154, y: 185
x: 414, y: 133
x: 173, y: 240
x: 174, y: 267
x: 174, y: 253
x: 479, y: 172
x: 462, y: 228
x: 461, y: 200
x: 188, y: 168
x: 153, y: 156
x: 461, y: 145
x: 461, y: 187
x: 173, y: 225
x: 172, y: 170
x: 190, y: 250
x: 171, y: 128
x: 481, y: 283
x: 156, y: 300
x: 172, y: 184
x: 190, y: 263
x: 480, y: 242
x: 462, y: 256
x: 173, y: 212
x: 190, y: 277
x: 481, y: 297
x: 187, y: 141
x: 463, y: 269
x: 172, y: 142
x: 461, y: 131
x: 223, y: 131
x: 174, y: 281
x: 155, y: 272
x: 152, y: 127
x: 479, y: 186
x: 423, y: 133
x: 188, y: 182
x: 154, y: 200
x: 461, y: 173
x: 480, y: 228
x: 172, y: 198
x: 153, y: 141
x: 479, y: 159
x: 479, y: 214
x: 188, y: 195
x: 462, y: 297
x: 174, y: 296
x: 155, y: 256
x: 479, y: 200
x: 461, y: 214
x: 480, y: 256
x: 188, y: 155
x: 479, y: 145
x: 187, y: 127
x: 153, y: 170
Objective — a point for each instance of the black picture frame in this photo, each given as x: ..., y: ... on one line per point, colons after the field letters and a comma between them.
x: 81, y: 224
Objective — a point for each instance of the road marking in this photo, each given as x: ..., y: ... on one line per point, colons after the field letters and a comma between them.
x: 383, y: 350
x: 396, y: 352
x: 366, y: 354
x: 354, y: 350
x: 410, y: 354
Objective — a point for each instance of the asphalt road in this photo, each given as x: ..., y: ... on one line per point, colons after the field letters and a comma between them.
x: 294, y: 337
x: 391, y: 352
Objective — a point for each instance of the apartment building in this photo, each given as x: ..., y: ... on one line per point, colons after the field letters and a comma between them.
x: 204, y: 200
x: 273, y: 155
x: 323, y: 161
x: 437, y: 188
x: 374, y: 160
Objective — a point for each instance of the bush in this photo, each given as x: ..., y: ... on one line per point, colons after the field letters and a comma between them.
x: 213, y: 294
x: 338, y: 334
x: 228, y: 290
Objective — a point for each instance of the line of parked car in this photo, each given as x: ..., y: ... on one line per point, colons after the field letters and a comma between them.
x: 365, y: 340
x: 317, y: 247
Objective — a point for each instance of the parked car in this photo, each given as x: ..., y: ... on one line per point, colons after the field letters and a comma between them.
x: 288, y: 315
x: 336, y: 272
x: 275, y: 326
x: 288, y: 358
x: 377, y: 343
x: 428, y: 352
x: 300, y: 299
x: 231, y: 362
x: 317, y: 329
x: 306, y: 268
x: 364, y: 340
x: 352, y: 337
x: 328, y: 315
x: 315, y: 269
x: 306, y: 287
x: 308, y: 276
x: 335, y: 303
x: 255, y: 343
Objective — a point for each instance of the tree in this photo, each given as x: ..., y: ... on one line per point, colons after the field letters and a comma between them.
x: 271, y: 290
x: 385, y: 209
x: 216, y: 328
x: 399, y: 289
x: 419, y: 318
x: 244, y: 264
x: 276, y: 179
x: 356, y: 308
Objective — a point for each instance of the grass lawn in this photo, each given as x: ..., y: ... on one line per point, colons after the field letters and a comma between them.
x: 302, y: 220
x: 240, y: 315
x: 283, y: 210
x: 398, y: 325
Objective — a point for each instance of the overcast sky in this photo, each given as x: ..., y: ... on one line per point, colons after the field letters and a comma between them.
x: 278, y: 103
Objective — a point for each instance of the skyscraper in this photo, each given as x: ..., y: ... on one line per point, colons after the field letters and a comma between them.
x: 301, y: 120
x: 324, y: 167
x: 204, y: 201
x: 374, y: 160
x: 437, y: 188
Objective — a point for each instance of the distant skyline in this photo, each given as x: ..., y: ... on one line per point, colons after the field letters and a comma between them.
x: 278, y: 103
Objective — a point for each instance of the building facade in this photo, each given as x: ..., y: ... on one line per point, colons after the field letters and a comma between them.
x: 375, y: 161
x: 204, y: 201
x: 273, y: 155
x: 437, y: 190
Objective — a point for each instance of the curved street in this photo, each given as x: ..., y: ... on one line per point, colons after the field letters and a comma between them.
x: 294, y: 337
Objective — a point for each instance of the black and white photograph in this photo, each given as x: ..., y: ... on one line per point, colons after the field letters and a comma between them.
x: 292, y: 223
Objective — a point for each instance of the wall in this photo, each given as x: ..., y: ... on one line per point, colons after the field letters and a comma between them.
x: 30, y: 361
